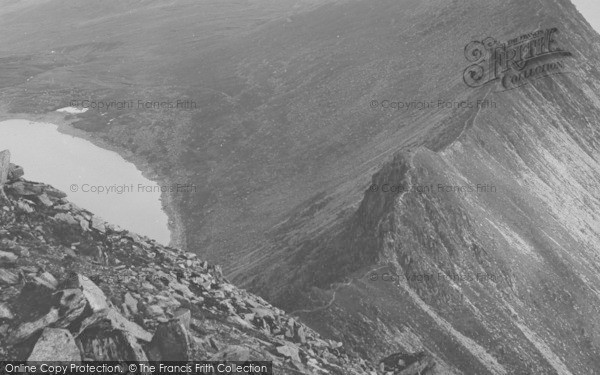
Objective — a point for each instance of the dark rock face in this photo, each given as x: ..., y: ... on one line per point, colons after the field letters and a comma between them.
x: 4, y: 166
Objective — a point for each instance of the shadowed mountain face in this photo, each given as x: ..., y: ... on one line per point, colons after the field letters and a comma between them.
x: 486, y: 251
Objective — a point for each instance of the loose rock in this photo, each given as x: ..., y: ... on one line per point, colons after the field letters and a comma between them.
x: 6, y: 257
x: 111, y: 320
x: 98, y: 224
x: 94, y: 295
x: 8, y: 278
x: 5, y: 312
x: 15, y: 172
x: 172, y: 342
x: 45, y: 280
x: 55, y: 344
x: 26, y: 330
x: 289, y: 351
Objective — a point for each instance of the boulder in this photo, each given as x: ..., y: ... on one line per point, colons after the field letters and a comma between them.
x: 103, y: 344
x: 45, y: 280
x: 154, y: 311
x: 289, y: 351
x: 55, y: 344
x: 71, y: 305
x: 300, y: 333
x: 94, y: 295
x: 5, y: 312
x: 263, y: 313
x: 172, y: 342
x: 66, y: 218
x: 8, y: 278
x: 111, y: 320
x: 182, y: 289
x: 232, y: 353
x: 184, y: 316
x: 408, y: 364
x: 26, y: 188
x: 28, y: 329
x: 15, y: 172
x: 85, y: 225
x: 43, y: 198
x: 6, y: 257
x: 21, y: 250
x: 130, y: 303
x: 239, y: 321
x: 24, y: 206
x: 98, y: 224
x: 4, y: 166
x: 54, y: 193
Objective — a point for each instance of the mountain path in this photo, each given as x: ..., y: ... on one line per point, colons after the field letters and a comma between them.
x: 334, y: 295
x: 339, y: 286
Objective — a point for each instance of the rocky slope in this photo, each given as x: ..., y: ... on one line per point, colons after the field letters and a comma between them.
x: 76, y: 288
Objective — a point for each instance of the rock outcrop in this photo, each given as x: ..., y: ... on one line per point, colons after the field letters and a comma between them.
x: 4, y: 166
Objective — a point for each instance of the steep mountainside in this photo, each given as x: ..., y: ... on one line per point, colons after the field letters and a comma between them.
x: 487, y: 253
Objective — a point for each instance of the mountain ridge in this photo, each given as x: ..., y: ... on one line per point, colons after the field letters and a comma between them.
x: 563, y: 128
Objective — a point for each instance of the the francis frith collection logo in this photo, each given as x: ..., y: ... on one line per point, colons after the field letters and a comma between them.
x: 516, y: 62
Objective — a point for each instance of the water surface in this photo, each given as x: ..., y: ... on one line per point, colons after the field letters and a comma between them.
x: 96, y: 179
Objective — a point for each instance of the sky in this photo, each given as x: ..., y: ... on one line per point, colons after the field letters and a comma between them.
x: 590, y: 10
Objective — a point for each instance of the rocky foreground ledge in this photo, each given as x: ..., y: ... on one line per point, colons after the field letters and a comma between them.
x: 74, y: 288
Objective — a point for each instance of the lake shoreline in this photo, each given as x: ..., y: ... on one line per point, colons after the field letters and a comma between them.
x: 175, y: 222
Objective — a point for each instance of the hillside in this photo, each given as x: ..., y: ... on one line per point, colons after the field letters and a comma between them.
x: 496, y: 281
